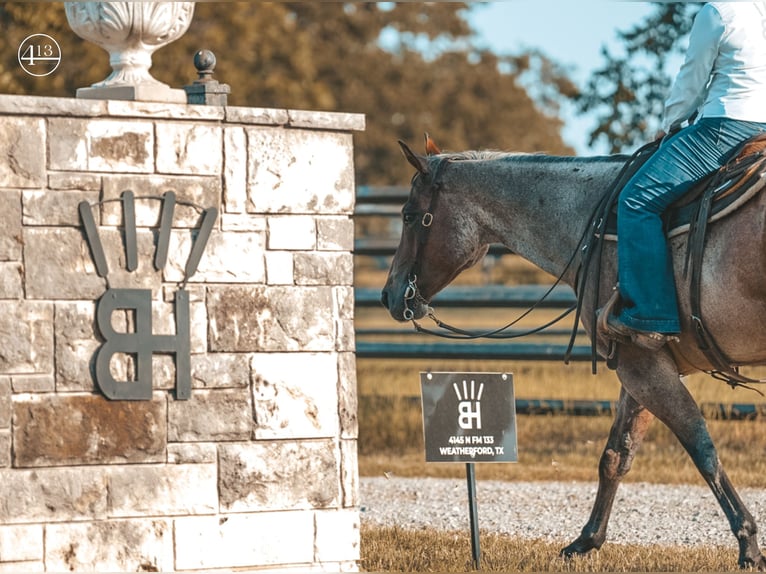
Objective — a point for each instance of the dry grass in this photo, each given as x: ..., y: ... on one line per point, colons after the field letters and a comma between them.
x: 550, y: 447
x: 558, y: 448
x: 397, y: 550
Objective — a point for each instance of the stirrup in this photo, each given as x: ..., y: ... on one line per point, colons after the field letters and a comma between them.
x: 603, y: 327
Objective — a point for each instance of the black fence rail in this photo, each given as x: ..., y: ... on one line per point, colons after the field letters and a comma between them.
x: 471, y: 351
x: 490, y: 296
x: 574, y: 407
x: 500, y: 296
x: 386, y: 247
x: 389, y: 199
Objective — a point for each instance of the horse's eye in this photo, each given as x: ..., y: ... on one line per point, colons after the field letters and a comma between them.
x: 409, y: 218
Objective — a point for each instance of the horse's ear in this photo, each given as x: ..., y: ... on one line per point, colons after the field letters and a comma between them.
x: 419, y: 162
x: 431, y: 147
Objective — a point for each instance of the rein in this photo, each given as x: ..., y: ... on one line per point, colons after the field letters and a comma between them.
x: 596, y: 229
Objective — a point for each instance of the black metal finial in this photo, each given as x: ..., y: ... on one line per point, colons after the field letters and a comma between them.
x: 204, y: 61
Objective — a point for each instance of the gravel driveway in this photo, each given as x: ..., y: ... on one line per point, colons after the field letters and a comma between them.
x: 556, y: 511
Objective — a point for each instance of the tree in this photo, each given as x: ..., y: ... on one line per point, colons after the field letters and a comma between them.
x: 410, y: 67
x: 628, y: 92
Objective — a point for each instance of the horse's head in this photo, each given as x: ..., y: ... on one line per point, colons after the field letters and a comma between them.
x: 439, y: 239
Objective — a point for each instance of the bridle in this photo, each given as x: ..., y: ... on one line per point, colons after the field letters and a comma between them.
x: 412, y: 292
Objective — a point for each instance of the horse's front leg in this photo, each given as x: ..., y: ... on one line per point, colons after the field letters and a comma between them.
x: 653, y: 380
x: 628, y: 430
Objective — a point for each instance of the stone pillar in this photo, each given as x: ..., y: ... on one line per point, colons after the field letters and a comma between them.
x: 258, y: 468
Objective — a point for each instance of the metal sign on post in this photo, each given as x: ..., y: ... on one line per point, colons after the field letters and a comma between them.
x: 469, y: 417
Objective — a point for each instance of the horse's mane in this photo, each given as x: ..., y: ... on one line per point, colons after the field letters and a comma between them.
x: 484, y: 155
x: 478, y: 155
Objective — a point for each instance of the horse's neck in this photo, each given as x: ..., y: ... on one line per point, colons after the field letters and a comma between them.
x: 539, y: 206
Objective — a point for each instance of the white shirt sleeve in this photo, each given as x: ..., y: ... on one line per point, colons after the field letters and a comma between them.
x: 690, y: 86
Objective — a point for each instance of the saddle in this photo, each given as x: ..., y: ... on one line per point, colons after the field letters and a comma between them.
x: 712, y: 198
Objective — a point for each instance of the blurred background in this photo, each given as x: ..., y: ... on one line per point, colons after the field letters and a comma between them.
x: 559, y: 77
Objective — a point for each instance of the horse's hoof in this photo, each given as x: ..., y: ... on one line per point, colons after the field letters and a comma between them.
x: 577, y: 548
x: 758, y: 563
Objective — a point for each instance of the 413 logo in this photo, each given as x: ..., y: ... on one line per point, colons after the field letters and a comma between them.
x: 39, y: 55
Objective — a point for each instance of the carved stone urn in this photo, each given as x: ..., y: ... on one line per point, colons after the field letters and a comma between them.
x: 130, y: 32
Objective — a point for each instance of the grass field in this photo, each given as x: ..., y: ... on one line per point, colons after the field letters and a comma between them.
x: 397, y: 550
x: 551, y: 447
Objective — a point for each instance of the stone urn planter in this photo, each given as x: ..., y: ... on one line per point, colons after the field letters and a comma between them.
x: 130, y: 32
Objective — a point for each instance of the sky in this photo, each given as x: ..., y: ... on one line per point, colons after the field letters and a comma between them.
x: 570, y: 33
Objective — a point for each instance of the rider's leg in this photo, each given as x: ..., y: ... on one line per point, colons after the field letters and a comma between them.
x: 645, y: 271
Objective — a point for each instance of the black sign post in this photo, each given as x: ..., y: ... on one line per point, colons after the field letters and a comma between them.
x: 469, y: 417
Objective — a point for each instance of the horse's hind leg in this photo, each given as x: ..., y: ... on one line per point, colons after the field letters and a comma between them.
x: 629, y: 427
x: 652, y: 379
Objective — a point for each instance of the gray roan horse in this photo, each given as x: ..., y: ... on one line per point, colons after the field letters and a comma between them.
x: 539, y: 207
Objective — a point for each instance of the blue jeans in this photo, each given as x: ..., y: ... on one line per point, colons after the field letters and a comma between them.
x: 645, y: 267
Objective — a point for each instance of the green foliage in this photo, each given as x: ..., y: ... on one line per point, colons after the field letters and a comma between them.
x: 628, y: 92
x: 428, y: 76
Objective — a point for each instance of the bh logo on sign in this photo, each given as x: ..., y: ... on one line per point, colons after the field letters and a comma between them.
x: 142, y: 343
x: 469, y: 406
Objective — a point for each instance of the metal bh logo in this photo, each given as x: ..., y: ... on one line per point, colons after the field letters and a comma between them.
x: 142, y: 344
x: 469, y: 405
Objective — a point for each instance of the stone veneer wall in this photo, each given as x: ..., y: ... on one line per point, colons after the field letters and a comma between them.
x: 259, y: 467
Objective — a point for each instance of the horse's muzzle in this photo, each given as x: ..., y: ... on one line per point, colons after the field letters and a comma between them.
x: 401, y: 307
